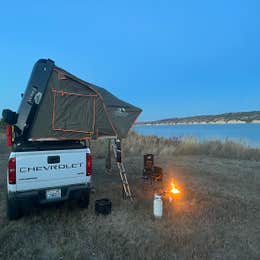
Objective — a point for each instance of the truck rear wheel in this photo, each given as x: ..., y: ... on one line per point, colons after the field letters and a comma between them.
x: 13, y: 210
x: 84, y: 199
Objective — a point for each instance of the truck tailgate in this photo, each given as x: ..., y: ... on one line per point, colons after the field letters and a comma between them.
x: 46, y: 169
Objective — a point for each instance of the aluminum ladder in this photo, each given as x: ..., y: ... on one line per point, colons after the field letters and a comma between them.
x: 116, y: 146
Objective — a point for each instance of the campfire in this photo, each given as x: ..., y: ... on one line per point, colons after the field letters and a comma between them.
x: 171, y: 192
x: 168, y: 194
x: 174, y: 190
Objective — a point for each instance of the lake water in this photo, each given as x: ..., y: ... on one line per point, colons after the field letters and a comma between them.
x: 245, y: 133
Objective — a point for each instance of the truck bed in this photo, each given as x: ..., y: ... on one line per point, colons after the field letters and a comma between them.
x: 48, y: 146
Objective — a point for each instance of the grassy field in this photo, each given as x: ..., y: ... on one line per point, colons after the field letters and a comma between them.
x: 217, y: 215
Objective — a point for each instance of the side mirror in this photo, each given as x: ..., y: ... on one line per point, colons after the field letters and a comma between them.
x: 9, y: 116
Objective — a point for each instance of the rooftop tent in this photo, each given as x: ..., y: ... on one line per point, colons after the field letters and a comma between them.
x: 59, y: 106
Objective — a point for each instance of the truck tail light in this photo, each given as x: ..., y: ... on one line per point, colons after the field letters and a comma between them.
x: 9, y: 135
x: 89, y: 164
x: 12, y: 171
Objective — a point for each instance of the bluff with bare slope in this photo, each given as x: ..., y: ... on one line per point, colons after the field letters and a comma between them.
x: 237, y: 117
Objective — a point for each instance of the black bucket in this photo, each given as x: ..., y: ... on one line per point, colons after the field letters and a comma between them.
x: 103, y: 206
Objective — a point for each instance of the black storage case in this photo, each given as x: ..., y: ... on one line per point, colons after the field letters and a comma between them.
x: 103, y: 207
x: 37, y: 83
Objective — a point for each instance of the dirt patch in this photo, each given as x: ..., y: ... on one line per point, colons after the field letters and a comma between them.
x: 217, y: 216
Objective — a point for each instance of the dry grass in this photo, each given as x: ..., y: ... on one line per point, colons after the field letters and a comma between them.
x: 136, y: 144
x: 217, y: 215
x: 2, y: 137
x: 3, y: 148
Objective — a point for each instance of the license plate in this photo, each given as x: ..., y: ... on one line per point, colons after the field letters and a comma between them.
x: 53, y: 194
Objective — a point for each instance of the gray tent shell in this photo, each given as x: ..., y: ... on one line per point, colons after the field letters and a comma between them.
x: 69, y: 108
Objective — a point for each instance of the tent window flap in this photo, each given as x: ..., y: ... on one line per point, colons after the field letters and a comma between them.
x: 80, y: 119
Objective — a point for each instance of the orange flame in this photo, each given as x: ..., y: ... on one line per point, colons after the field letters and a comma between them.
x: 174, y: 190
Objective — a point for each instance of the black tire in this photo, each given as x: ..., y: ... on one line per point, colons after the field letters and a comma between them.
x: 84, y: 199
x: 13, y: 210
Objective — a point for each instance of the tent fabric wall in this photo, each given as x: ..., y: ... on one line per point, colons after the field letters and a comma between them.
x: 73, y: 109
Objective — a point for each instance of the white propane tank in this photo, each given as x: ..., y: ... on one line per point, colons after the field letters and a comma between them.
x: 157, y: 206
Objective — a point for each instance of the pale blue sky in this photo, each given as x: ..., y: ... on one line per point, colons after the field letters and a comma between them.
x: 171, y: 58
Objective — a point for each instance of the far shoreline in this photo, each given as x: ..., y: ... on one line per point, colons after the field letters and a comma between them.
x: 200, y: 123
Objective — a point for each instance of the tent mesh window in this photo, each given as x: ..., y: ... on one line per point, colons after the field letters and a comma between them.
x: 80, y: 119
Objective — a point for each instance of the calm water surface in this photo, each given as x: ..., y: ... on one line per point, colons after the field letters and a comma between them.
x: 246, y: 133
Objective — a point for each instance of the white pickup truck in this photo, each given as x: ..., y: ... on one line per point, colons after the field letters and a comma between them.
x: 45, y: 172
x: 58, y: 113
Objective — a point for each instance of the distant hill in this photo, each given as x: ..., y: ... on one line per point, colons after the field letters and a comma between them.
x: 227, y: 118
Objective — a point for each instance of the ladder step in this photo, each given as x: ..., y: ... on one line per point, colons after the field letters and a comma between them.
x: 126, y: 187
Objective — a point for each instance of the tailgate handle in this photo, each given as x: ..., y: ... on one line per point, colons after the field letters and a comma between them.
x: 53, y: 159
